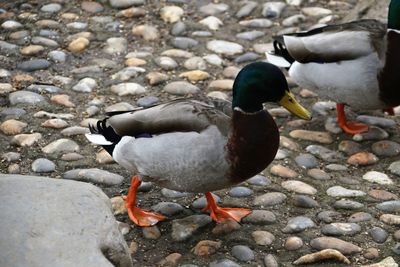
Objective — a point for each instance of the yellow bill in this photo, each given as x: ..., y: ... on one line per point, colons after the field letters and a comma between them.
x: 290, y: 103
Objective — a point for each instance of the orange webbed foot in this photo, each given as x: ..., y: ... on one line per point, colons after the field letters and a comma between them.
x: 354, y: 127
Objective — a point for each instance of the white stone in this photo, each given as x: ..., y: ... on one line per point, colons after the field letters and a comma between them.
x: 171, y: 14
x: 224, y: 47
x: 213, y: 23
x: 123, y: 89
x: 339, y: 191
x: 377, y: 177
x: 299, y: 187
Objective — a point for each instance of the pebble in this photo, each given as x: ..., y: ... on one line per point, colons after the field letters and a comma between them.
x: 374, y: 133
x: 386, y: 148
x: 260, y: 217
x: 396, y: 235
x: 293, y: 243
x: 11, y: 156
x: 147, y: 101
x: 362, y: 159
x: 391, y: 206
x: 225, y: 85
x: 104, y: 158
x: 247, y: 8
x: 273, y: 9
x: 179, y: 28
x: 226, y: 227
x: 347, y: 204
x: 212, y: 23
x: 14, y: 169
x: 299, y: 187
x: 206, y: 247
x: 344, y: 247
x: 181, y: 88
x: 256, y: 23
x: 377, y: 177
x: 74, y: 130
x: 195, y: 75
x: 214, y: 59
x: 371, y: 253
x: 92, y: 7
x: 124, y: 89
x: 336, y: 167
x: 177, y: 53
x: 183, y: 229
x: 171, y: 14
x: 259, y: 180
x: 377, y: 121
x: 324, y: 153
x: 341, y: 229
x: 63, y: 100
x: 55, y: 124
x: 147, y: 32
x: 328, y: 216
x: 240, y: 191
x: 94, y: 175
x: 125, y: 3
x: 151, y: 232
x: 78, y: 45
x: 12, y: 127
x: 378, y: 234
x: 184, y: 42
x: 43, y: 165
x: 270, y: 261
x: 320, y: 137
x: 306, y: 161
x: 51, y: 8
x: 58, y: 56
x: 224, y: 263
x: 263, y: 238
x: 318, y: 174
x: 294, y: 20
x: 382, y: 194
x: 316, y: 11
x: 360, y: 217
x: 121, y: 106
x: 349, y: 147
x: 33, y: 65
x: 167, y: 208
x: 250, y: 35
x: 173, y: 194
x: 166, y: 63
x: 304, y: 201
x: 283, y: 171
x: 195, y: 63
x: 85, y: 85
x: 31, y: 50
x: 170, y: 260
x: 243, y: 253
x: 249, y: 56
x: 213, y: 9
x: 116, y: 45
x: 26, y: 139
x: 394, y: 168
x: 25, y: 97
x: 298, y: 224
x: 339, y: 191
x: 269, y: 199
x: 127, y: 73
x: 224, y: 47
x: 61, y: 145
x: 11, y: 25
x: 72, y: 157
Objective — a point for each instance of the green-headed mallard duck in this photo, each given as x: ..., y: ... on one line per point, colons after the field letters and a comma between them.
x: 355, y: 64
x: 187, y: 145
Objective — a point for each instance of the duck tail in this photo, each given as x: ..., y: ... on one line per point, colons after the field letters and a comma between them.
x: 280, y: 56
x: 103, y: 135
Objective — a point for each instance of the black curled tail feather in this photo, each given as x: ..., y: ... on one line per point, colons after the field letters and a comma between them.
x: 280, y: 49
x: 108, y: 133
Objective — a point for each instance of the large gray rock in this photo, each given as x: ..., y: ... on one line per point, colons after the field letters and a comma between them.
x: 50, y: 222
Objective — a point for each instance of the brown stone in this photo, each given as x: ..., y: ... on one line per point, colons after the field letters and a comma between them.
x: 132, y: 12
x: 151, y: 232
x: 78, y: 45
x: 226, y: 227
x: 134, y: 62
x: 320, y: 137
x: 195, y: 75
x: 62, y: 100
x: 362, y: 158
x: 382, y: 194
x: 31, y: 50
x: 170, y: 260
x: 283, y: 171
x: 206, y: 247
x: 344, y: 247
x: 371, y: 253
x: 12, y: 127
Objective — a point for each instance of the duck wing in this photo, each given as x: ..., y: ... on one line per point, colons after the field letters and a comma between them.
x: 175, y: 116
x: 334, y: 43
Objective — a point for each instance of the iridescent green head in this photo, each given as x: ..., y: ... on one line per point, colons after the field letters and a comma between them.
x: 394, y: 15
x: 262, y: 82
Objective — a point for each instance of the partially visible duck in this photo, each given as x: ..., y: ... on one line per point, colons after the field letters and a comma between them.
x: 355, y: 64
x: 190, y: 146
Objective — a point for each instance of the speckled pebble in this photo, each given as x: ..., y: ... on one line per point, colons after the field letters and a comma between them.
x: 259, y: 180
x: 341, y: 229
x: 269, y: 199
x: 293, y: 243
x: 360, y: 217
x: 386, y: 148
x: 306, y: 161
x: 304, y: 201
x: 362, y: 158
x: 339, y: 191
x: 243, y: 253
x: 347, y: 204
x: 298, y: 224
x: 240, y: 191
x: 263, y: 238
x: 167, y: 208
x: 377, y: 177
x: 378, y: 234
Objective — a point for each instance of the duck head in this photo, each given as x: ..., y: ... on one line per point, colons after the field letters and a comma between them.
x: 262, y: 82
x: 394, y: 15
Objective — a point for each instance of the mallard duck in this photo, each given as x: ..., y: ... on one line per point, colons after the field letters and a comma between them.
x: 187, y: 145
x: 354, y: 64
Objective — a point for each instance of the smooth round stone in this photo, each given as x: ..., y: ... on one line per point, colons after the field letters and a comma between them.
x: 243, y: 253
x: 299, y: 187
x: 303, y: 201
x: 282, y: 154
x: 318, y: 174
x: 332, y: 126
x: 195, y: 63
x: 213, y: 59
x: 224, y: 263
x: 14, y: 169
x: 11, y: 25
x: 167, y: 208
x: 382, y: 194
x: 240, y: 191
x: 39, y: 88
x: 298, y: 224
x: 377, y: 177
x: 147, y: 32
x: 378, y: 234
x: 360, y: 217
x: 246, y: 9
x: 218, y: 95
x: 72, y: 156
x: 179, y: 28
x: 316, y: 11
x: 256, y: 23
x: 124, y: 89
x: 225, y: 85
x: 263, y: 238
x: 166, y: 63
x: 43, y: 165
x: 260, y: 217
x: 249, y: 56
x: 78, y: 45
x: 324, y: 153
x: 12, y: 127
x: 121, y: 106
x: 33, y: 65
x: 386, y: 148
x: 92, y: 7
x: 181, y: 88
x: 184, y: 42
x: 44, y: 41
x: 126, y: 3
x: 147, y: 101
x: 259, y: 180
x: 377, y: 121
x: 171, y: 14
x: 348, y: 180
x: 116, y: 45
x: 201, y: 202
x: 336, y: 167
x: 173, y: 194
x: 4, y: 73
x: 396, y: 249
x: 320, y: 137
x: 25, y: 97
x: 392, y: 206
x: 19, y: 35
x: 273, y: 9
x: 293, y: 243
x: 371, y: 253
x: 11, y: 156
x: 269, y: 199
x: 61, y: 145
x: 306, y: 161
x: 224, y: 47
x: 374, y: 133
x: 151, y: 232
x: 195, y: 75
x: 282, y: 171
x: 213, y: 9
x: 263, y: 48
x: 396, y: 235
x: 341, y: 229
x: 85, y: 85
x: 394, y: 168
x: 31, y: 50
x: 201, y: 34
x: 77, y: 25
x: 326, y: 242
x: 339, y: 191
x: 230, y: 72
x: 55, y: 124
x: 213, y: 23
x: 329, y: 216
x: 51, y: 8
x: 294, y: 20
x: 347, y: 204
x: 362, y: 159
x: 74, y: 130
x: 270, y: 261
x: 26, y: 139
x: 13, y: 112
x: 127, y: 73
x: 250, y: 35
x: 58, y: 56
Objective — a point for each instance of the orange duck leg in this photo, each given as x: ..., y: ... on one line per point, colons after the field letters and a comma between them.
x: 349, y: 127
